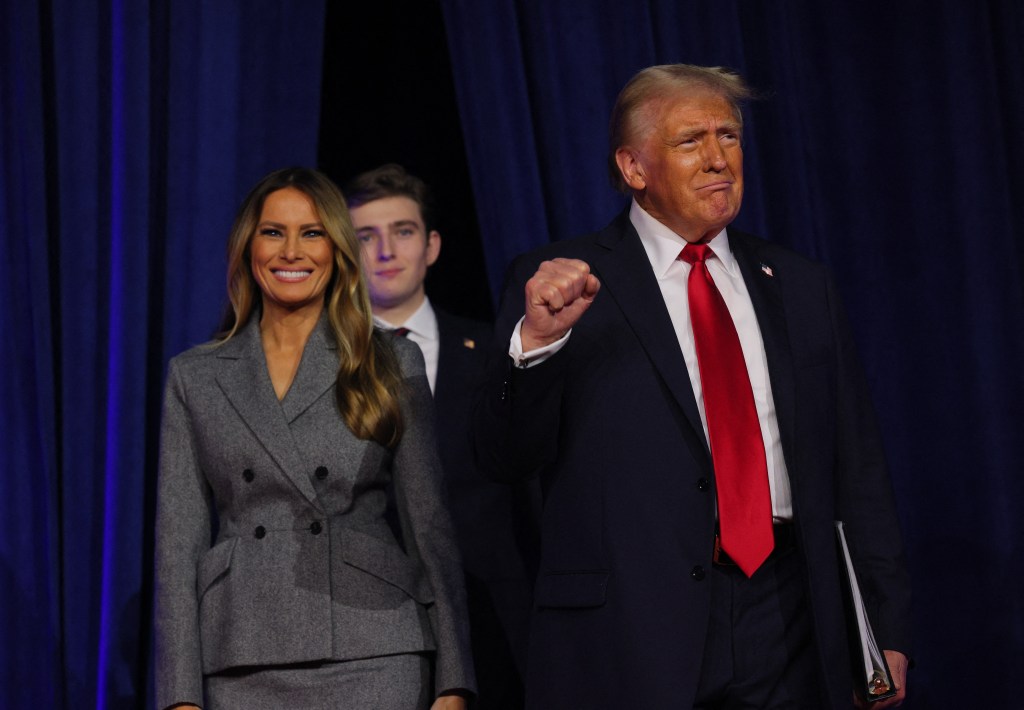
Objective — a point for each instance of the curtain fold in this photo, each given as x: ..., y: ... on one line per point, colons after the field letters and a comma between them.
x: 888, y: 145
x: 30, y: 610
x: 130, y: 133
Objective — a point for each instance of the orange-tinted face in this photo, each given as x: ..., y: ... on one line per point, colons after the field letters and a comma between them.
x: 291, y: 256
x: 685, y: 166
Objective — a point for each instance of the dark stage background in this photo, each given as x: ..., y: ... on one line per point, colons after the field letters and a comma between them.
x: 889, y: 145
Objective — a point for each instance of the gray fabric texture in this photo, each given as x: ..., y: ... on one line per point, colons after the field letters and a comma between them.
x: 384, y: 683
x: 303, y: 565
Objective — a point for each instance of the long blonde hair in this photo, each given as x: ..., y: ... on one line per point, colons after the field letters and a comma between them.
x: 369, y: 378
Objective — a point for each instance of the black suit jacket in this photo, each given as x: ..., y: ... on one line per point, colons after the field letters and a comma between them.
x: 611, y: 426
x: 495, y: 523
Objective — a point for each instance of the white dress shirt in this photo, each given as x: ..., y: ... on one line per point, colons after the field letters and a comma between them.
x: 663, y: 246
x: 423, y: 331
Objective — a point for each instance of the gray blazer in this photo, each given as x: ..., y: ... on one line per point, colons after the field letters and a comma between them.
x: 273, y: 541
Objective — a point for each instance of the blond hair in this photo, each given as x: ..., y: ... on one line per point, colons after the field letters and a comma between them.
x: 660, y: 81
x: 369, y: 377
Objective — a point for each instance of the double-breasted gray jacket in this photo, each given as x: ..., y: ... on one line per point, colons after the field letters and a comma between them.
x: 273, y: 540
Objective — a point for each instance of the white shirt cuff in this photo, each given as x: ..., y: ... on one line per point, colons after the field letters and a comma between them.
x: 537, y: 355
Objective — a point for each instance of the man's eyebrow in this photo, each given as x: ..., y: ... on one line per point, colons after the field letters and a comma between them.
x: 697, y: 129
x: 687, y: 132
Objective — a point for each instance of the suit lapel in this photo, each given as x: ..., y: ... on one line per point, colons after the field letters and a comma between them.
x: 452, y: 355
x: 243, y: 377
x: 318, y: 371
x: 764, y: 284
x: 446, y: 354
x: 625, y: 273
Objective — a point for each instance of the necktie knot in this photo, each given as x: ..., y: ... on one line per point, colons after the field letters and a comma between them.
x: 694, y: 253
x: 401, y: 332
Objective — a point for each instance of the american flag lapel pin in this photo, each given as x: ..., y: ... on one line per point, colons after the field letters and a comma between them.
x: 767, y: 271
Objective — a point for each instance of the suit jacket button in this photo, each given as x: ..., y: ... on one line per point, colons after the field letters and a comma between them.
x: 703, y: 484
x: 260, y: 532
x: 315, y: 527
x: 321, y: 472
x: 248, y: 475
x: 697, y: 573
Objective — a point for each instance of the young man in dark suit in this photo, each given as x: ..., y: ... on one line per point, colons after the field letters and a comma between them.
x: 392, y: 212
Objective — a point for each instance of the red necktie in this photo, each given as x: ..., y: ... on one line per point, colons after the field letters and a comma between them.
x: 401, y: 332
x: 737, y: 449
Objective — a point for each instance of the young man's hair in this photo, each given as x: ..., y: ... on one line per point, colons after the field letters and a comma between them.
x: 391, y: 180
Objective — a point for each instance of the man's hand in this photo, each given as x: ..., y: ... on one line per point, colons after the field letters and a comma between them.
x: 898, y: 667
x: 557, y: 295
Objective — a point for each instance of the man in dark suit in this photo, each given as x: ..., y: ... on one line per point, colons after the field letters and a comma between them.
x: 677, y: 573
x: 392, y: 212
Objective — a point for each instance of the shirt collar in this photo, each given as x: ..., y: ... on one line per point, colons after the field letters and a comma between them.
x: 422, y: 323
x: 663, y: 245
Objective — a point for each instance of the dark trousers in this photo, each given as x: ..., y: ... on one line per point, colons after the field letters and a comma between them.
x: 499, y: 684
x: 759, y: 652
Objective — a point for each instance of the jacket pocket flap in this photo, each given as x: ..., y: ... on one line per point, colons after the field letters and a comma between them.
x: 386, y: 561
x: 572, y: 589
x: 214, y: 563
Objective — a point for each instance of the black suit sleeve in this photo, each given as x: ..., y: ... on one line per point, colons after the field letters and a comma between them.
x: 866, y: 502
x: 516, y: 417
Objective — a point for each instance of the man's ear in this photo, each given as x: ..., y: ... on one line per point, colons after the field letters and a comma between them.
x: 630, y: 167
x: 433, y: 246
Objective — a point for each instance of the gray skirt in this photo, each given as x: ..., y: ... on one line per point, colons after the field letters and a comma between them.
x: 399, y: 682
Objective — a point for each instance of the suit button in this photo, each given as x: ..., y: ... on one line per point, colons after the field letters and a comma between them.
x: 248, y: 475
x: 697, y: 573
x: 260, y: 532
x: 703, y: 484
x: 321, y: 472
x: 315, y: 527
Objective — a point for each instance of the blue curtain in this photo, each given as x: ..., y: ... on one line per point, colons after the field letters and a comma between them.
x: 889, y: 146
x: 129, y: 132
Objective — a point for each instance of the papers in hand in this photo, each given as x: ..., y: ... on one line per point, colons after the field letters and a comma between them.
x: 872, y: 679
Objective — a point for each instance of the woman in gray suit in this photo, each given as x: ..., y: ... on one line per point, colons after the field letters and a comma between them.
x: 304, y: 557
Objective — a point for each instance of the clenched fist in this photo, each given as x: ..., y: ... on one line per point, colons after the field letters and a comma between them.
x: 556, y: 296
